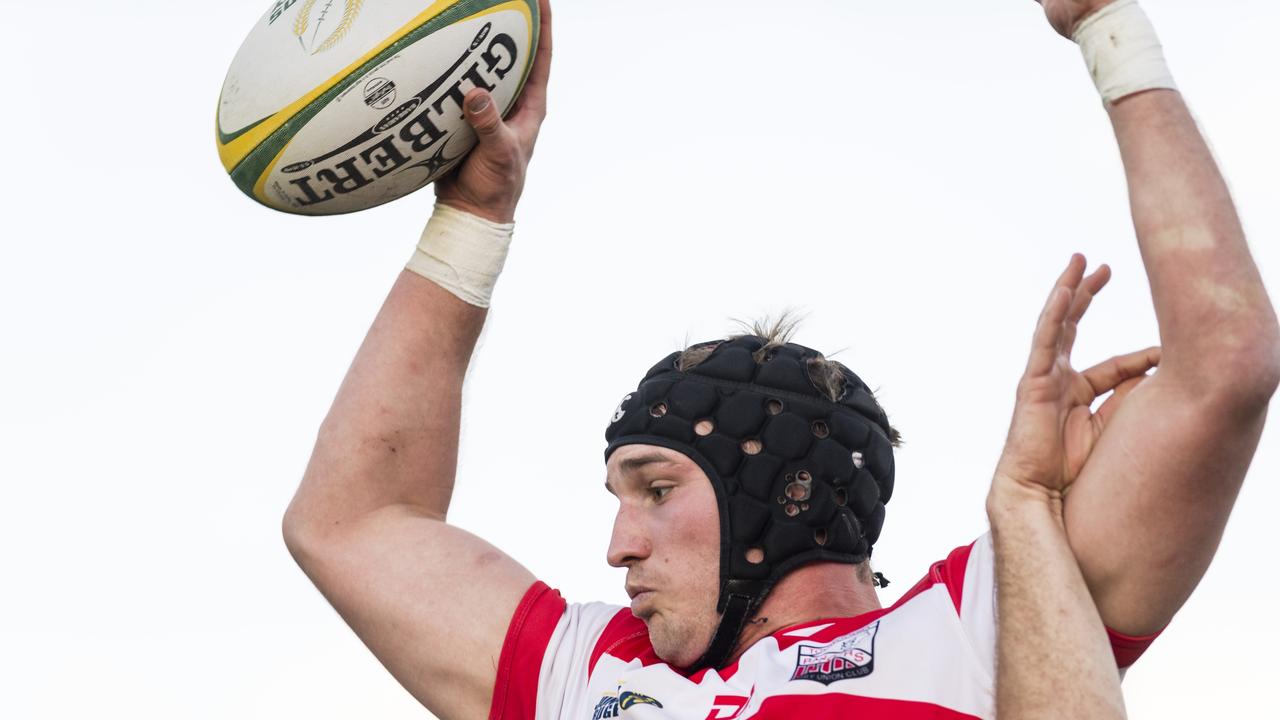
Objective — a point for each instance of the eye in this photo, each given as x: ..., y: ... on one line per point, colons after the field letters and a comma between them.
x: 659, y: 492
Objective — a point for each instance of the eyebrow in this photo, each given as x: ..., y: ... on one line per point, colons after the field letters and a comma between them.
x: 635, y: 463
x: 632, y: 464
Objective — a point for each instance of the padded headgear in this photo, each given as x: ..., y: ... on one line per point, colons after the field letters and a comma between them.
x: 796, y: 476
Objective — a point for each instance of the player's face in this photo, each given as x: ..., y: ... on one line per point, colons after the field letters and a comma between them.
x: 667, y: 536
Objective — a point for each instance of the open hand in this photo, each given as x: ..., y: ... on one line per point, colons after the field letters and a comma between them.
x: 490, y: 181
x: 1053, y: 429
x: 1066, y: 15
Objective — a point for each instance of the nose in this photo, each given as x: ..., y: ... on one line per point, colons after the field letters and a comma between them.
x: 629, y: 544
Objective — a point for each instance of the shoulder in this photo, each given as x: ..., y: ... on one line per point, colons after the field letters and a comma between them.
x: 961, y: 573
x: 546, y: 650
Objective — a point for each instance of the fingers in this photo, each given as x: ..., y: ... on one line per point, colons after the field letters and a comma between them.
x: 483, y: 116
x: 1089, y: 288
x: 1109, y: 375
x: 1048, y: 334
x: 532, y: 106
x: 540, y: 74
x: 1071, y: 277
x: 489, y: 182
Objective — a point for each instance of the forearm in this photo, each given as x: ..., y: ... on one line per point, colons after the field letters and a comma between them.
x: 391, y: 437
x: 1216, y: 321
x: 1053, y: 659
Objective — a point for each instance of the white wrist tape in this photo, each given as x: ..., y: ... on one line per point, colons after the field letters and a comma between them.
x: 1122, y: 51
x: 462, y: 253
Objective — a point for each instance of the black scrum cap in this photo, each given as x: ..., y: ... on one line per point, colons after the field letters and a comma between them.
x: 797, y: 476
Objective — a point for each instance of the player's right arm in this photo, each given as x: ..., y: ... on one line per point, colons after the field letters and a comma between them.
x: 368, y: 523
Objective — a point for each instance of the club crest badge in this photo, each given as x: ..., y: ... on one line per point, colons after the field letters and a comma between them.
x: 851, y: 656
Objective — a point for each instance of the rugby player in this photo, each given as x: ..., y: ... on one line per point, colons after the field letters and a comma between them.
x: 745, y: 607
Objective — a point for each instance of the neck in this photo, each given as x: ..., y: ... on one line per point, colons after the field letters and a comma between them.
x: 813, y: 592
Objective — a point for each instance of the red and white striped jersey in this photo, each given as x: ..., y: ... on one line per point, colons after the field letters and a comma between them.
x: 929, y: 656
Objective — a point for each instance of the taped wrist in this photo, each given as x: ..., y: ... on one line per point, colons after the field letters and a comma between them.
x: 1122, y: 51
x: 462, y: 253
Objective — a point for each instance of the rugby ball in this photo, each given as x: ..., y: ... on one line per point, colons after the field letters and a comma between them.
x: 334, y: 106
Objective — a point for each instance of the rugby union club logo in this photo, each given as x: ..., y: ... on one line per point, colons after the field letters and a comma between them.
x: 851, y: 656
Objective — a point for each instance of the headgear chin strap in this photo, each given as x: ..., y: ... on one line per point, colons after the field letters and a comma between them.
x: 798, y: 478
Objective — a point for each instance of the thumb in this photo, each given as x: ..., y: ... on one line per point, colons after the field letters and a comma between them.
x: 482, y: 115
x: 1112, y: 403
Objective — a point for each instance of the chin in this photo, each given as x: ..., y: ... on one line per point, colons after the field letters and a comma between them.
x: 675, y: 645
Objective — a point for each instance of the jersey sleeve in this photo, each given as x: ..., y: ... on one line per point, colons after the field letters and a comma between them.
x: 545, y: 655
x: 970, y: 576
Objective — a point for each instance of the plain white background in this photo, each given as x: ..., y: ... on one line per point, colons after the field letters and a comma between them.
x: 911, y: 175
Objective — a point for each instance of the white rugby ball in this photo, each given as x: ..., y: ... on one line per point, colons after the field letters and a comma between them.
x: 333, y: 106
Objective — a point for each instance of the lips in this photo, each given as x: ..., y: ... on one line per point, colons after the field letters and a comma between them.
x: 641, y: 603
x: 635, y: 590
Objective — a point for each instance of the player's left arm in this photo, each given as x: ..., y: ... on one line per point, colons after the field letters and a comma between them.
x: 1147, y: 511
x: 1052, y: 656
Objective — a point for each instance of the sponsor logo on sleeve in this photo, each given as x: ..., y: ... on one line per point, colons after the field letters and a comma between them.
x: 610, y: 705
x: 848, y: 657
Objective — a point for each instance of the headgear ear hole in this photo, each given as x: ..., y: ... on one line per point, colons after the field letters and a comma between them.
x: 752, y: 446
x: 658, y: 409
x: 773, y: 406
x: 755, y: 555
x: 791, y: 510
x: 842, y: 497
x: 704, y: 427
x: 820, y: 429
x: 820, y: 536
x: 858, y: 460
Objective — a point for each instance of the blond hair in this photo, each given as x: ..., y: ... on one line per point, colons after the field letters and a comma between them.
x: 828, y: 376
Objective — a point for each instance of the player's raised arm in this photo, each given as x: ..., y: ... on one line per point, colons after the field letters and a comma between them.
x: 368, y: 522
x: 1053, y: 657
x: 1147, y: 512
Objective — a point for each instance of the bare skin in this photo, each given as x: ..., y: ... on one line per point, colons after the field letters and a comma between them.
x: 1141, y: 518
x: 368, y: 523
x: 1053, y: 657
x: 1050, y: 481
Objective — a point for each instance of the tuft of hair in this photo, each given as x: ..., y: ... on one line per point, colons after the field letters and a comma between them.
x: 864, y: 572
x: 827, y: 375
x: 775, y: 331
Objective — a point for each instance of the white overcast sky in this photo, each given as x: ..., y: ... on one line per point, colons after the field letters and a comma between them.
x: 913, y: 175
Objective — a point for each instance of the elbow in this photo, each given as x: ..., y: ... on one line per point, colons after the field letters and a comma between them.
x: 294, y: 535
x: 300, y: 532
x: 1269, y: 376
x: 1259, y: 366
x: 1246, y: 373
